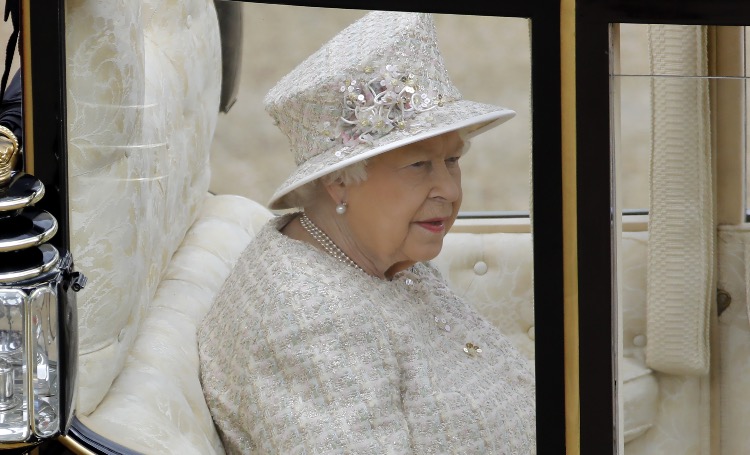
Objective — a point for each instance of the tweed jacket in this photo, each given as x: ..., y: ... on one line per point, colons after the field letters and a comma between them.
x: 303, y: 354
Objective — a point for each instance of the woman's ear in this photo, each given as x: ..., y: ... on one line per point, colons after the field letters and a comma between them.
x: 336, y: 190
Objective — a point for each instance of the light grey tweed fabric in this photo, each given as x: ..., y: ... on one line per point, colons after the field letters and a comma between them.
x: 303, y: 354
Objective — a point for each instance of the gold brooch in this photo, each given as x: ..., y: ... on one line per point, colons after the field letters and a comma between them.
x: 472, y: 349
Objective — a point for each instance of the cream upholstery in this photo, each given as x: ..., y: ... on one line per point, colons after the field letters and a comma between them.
x: 144, y: 82
x: 734, y: 333
x: 143, y: 92
x: 494, y: 271
x: 156, y: 404
x: 664, y: 413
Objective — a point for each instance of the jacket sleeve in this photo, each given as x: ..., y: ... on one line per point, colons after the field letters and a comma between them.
x: 322, y: 377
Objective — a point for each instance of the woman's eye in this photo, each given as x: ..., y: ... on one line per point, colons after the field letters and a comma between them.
x: 452, y: 160
x: 420, y: 164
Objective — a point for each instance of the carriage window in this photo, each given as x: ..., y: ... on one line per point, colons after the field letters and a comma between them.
x: 251, y: 156
x: 140, y: 120
x: 679, y: 134
x: 640, y: 71
x: 634, y: 110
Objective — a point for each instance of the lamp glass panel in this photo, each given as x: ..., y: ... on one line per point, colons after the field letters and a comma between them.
x: 45, y: 355
x: 13, y: 401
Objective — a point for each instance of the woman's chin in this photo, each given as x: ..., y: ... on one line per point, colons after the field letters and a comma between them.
x: 428, y: 252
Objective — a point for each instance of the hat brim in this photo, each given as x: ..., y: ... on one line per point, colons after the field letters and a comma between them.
x: 469, y: 117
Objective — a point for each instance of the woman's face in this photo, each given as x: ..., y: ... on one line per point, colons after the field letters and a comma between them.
x: 411, y: 197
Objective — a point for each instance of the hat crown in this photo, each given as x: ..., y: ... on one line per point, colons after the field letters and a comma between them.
x: 381, y: 73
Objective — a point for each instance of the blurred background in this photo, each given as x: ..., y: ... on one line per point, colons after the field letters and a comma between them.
x: 488, y: 59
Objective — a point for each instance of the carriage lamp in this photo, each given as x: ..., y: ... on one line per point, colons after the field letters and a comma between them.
x: 38, y: 341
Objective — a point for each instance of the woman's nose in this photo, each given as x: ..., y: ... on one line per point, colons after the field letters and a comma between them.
x: 447, y: 183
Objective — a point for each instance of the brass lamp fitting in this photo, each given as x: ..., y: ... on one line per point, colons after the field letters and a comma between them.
x: 8, y: 154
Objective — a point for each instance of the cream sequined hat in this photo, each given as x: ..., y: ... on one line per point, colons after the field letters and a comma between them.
x: 377, y: 85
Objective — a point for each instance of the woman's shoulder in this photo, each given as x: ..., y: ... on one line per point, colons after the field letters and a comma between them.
x: 279, y: 278
x: 283, y: 295
x: 274, y: 260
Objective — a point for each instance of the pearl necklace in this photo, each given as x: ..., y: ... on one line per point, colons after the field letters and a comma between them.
x: 326, y: 242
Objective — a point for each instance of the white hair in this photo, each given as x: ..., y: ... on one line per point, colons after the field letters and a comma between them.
x: 306, y: 194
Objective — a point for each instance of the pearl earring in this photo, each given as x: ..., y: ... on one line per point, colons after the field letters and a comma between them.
x: 341, y: 208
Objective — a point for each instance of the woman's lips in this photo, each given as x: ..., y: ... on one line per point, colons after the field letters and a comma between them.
x: 433, y: 225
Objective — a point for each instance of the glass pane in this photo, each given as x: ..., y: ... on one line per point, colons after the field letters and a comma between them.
x: 121, y: 187
x: 679, y: 136
x: 635, y: 142
x: 13, y: 403
x: 251, y: 157
x: 490, y: 269
x: 45, y: 356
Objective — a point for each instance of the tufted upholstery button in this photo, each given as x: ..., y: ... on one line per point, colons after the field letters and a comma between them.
x: 189, y: 21
x: 639, y: 340
x: 121, y: 335
x: 480, y: 268
x: 531, y: 333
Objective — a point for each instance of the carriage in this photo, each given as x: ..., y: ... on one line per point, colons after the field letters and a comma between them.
x: 632, y: 310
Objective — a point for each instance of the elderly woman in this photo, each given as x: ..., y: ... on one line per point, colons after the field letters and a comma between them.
x: 333, y: 334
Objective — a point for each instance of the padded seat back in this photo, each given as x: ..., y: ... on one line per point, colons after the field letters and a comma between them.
x: 143, y: 92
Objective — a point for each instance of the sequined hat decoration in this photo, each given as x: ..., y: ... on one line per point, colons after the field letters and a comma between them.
x: 377, y: 85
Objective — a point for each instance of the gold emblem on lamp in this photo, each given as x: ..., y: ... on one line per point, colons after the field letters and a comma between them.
x: 8, y: 154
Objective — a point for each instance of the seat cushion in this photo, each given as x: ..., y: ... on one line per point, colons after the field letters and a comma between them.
x: 156, y: 404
